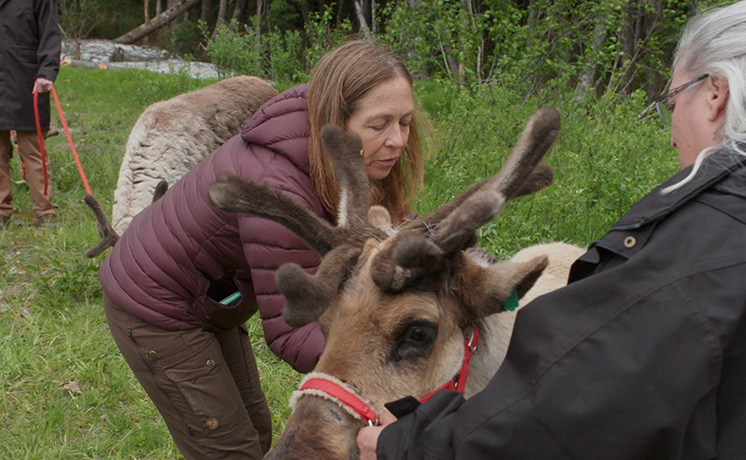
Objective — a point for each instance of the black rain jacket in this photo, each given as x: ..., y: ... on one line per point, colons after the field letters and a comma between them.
x: 641, y: 356
x: 29, y: 48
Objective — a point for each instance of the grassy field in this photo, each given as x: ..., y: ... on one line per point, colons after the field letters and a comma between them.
x: 67, y: 394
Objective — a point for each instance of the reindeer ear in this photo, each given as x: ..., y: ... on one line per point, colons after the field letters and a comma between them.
x: 380, y: 218
x: 483, y: 290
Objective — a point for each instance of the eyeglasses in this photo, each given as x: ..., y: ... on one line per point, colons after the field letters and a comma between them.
x: 664, y: 108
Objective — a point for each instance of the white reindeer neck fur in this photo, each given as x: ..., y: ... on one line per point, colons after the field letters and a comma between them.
x: 498, y: 328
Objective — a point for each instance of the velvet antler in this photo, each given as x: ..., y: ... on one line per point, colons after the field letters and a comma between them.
x: 106, y: 232
x: 307, y: 296
x: 422, y: 245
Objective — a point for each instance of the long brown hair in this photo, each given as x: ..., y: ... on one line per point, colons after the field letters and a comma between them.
x: 338, y: 83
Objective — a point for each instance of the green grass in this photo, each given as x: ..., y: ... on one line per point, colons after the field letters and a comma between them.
x: 52, y: 326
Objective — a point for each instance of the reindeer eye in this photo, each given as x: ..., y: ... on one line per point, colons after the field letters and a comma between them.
x: 415, y: 340
x: 417, y: 335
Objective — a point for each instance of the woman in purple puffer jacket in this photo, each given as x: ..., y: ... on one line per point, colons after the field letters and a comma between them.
x: 165, y: 278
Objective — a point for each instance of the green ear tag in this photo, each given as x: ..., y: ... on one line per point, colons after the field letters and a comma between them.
x: 511, y: 303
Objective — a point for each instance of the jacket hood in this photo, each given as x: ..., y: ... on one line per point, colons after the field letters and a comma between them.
x: 281, y: 125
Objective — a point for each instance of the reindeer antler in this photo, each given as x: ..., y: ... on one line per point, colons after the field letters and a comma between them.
x: 415, y: 252
x: 307, y: 296
x: 106, y: 232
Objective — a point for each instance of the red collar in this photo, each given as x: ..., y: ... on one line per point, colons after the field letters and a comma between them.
x: 458, y: 383
x: 337, y: 391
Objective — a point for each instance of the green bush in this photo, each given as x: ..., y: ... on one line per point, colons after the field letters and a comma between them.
x: 232, y: 52
x: 185, y: 38
x: 286, y: 61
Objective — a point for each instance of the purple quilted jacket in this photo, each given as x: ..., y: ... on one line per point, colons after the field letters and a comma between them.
x: 181, y: 255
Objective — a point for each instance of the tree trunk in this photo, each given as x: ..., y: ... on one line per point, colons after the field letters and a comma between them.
x: 338, y: 18
x: 158, y: 7
x: 305, y: 13
x: 206, y: 13
x: 238, y: 10
x: 259, y: 8
x: 222, y: 12
x: 630, y: 35
x: 361, y: 18
x: 586, y: 81
x: 146, y: 8
x: 156, y: 23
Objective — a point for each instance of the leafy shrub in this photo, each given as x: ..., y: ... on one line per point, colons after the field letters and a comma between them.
x: 286, y: 61
x: 322, y: 35
x: 233, y: 53
x: 185, y: 38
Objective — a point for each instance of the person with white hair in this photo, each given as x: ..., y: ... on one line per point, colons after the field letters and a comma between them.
x: 643, y: 354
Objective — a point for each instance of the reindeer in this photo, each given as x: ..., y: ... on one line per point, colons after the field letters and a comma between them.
x: 401, y: 309
x: 169, y: 139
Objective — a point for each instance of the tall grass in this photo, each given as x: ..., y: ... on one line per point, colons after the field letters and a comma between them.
x: 65, y: 391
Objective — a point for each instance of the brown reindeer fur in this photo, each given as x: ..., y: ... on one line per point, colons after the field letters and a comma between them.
x: 483, y: 290
x: 395, y: 311
x: 350, y: 172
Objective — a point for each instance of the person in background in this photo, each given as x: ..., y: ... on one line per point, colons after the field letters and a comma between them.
x: 165, y: 278
x: 643, y: 354
x: 29, y: 62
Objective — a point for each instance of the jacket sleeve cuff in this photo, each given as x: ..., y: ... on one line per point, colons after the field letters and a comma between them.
x: 424, y: 431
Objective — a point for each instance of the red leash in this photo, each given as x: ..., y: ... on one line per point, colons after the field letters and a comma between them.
x: 69, y: 140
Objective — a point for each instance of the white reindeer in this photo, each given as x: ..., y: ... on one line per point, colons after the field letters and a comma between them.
x: 169, y: 139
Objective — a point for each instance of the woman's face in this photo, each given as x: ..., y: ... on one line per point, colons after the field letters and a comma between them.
x: 382, y: 121
x: 698, y: 116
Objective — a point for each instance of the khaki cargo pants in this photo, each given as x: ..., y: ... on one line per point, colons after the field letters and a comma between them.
x: 204, y: 384
x: 28, y: 146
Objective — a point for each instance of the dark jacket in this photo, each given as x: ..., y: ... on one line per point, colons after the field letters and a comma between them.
x: 29, y: 48
x: 641, y: 356
x: 181, y: 255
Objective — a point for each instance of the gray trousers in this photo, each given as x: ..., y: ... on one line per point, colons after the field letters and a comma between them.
x: 204, y: 384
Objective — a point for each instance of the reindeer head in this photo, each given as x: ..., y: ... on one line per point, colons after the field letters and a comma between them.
x: 394, y: 308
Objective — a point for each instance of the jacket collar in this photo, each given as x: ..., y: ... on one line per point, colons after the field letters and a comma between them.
x: 656, y: 205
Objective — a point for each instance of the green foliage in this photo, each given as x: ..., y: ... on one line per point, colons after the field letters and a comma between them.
x: 234, y: 53
x: 78, y: 18
x: 614, y: 45
x: 120, y: 16
x: 278, y: 55
x: 286, y: 60
x: 322, y: 35
x: 285, y: 14
x: 186, y: 38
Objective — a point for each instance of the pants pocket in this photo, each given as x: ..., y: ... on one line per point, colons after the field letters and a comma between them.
x: 191, y: 371
x: 206, y: 384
